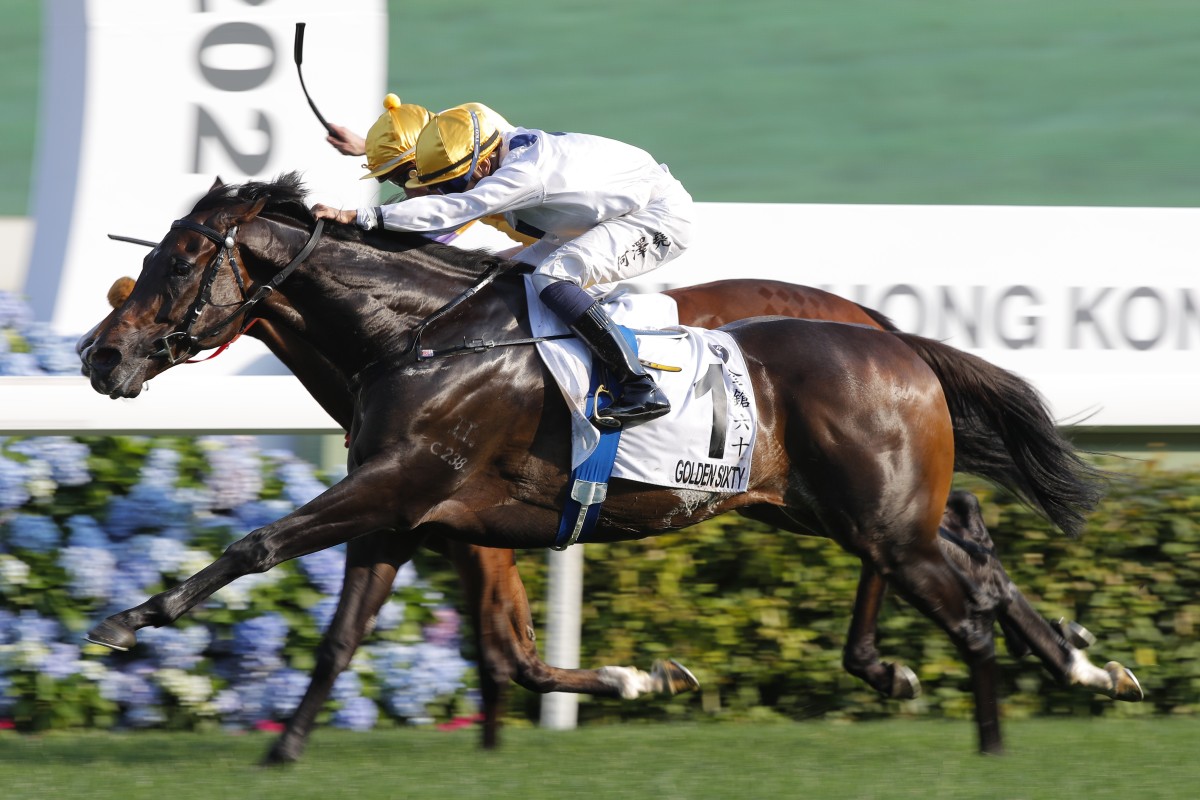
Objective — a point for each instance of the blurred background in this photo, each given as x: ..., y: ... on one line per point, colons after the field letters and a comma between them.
x: 1080, y: 103
x: 1077, y: 102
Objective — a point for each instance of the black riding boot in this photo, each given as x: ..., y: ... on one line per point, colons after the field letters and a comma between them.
x: 641, y: 400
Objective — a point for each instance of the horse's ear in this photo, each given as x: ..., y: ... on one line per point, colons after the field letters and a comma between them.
x: 217, y: 184
x: 251, y: 212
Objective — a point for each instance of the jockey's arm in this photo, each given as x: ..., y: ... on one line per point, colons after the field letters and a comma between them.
x: 507, y: 189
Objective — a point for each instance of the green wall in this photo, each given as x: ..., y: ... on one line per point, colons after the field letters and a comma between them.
x: 1076, y: 102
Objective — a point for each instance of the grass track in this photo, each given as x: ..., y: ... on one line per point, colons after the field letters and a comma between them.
x: 1097, y: 759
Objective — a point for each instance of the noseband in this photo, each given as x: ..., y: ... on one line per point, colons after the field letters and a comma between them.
x: 180, y: 344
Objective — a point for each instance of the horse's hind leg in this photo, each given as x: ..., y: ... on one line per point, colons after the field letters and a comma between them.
x: 965, y: 540
x: 861, y: 656
x: 507, y: 636
x: 1061, y: 651
x: 939, y: 590
x: 371, y: 565
x: 477, y: 574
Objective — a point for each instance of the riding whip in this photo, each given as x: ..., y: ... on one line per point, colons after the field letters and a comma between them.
x: 299, y: 56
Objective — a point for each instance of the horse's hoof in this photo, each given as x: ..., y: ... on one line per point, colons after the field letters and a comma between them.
x: 279, y: 756
x: 674, y: 677
x: 1124, y: 685
x: 112, y: 635
x: 905, y: 685
x: 1076, y: 635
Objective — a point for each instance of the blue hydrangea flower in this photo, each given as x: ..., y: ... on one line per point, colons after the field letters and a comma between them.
x: 32, y: 532
x: 7, y: 701
x: 347, y: 686
x: 255, y: 515
x: 285, y: 689
x: 325, y: 569
x: 62, y: 661
x: 235, y: 470
x: 322, y: 612
x: 356, y: 714
x: 30, y: 626
x: 90, y: 571
x: 154, y: 504
x: 146, y: 559
x: 84, y: 531
x: 67, y: 458
x: 300, y: 485
x: 13, y: 492
x: 411, y: 677
x: 390, y: 616
x: 259, y: 641
x: 177, y: 648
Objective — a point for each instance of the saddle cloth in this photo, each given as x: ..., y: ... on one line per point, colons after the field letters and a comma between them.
x: 706, y: 442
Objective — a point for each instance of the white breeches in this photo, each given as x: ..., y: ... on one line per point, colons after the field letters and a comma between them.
x: 616, y: 249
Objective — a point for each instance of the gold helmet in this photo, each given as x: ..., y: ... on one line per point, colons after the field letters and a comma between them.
x: 392, y: 140
x: 499, y: 122
x: 452, y: 144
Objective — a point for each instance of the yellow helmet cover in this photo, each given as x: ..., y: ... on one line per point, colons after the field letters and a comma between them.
x: 392, y: 139
x: 451, y: 144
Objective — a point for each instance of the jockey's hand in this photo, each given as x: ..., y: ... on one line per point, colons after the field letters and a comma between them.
x: 346, y: 141
x: 345, y: 215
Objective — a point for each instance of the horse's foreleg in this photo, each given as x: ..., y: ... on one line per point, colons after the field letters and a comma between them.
x: 371, y: 565
x: 360, y: 503
x: 861, y: 657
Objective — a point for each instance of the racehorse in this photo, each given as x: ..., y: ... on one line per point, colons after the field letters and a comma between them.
x: 496, y: 597
x: 862, y: 388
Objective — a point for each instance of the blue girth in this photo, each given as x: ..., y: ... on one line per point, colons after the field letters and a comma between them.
x: 589, y: 481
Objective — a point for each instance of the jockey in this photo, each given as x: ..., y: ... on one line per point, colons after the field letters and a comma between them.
x: 600, y: 211
x: 390, y: 149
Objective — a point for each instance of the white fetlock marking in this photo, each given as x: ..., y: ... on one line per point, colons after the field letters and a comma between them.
x: 630, y: 682
x: 1085, y: 673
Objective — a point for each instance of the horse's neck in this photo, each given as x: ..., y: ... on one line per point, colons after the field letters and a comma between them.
x: 356, y: 305
x: 324, y: 381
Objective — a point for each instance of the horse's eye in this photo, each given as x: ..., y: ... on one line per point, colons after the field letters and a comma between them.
x: 180, y: 267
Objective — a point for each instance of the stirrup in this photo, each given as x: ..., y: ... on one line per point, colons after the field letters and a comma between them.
x: 652, y: 406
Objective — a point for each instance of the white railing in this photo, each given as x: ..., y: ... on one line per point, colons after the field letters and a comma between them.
x: 271, y: 404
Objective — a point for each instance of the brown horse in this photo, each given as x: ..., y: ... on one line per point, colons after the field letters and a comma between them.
x: 496, y: 599
x: 862, y: 389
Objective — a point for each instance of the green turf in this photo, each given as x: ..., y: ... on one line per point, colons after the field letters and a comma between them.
x: 1096, y: 759
x: 1075, y: 102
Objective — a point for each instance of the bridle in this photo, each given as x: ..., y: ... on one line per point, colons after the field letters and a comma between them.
x: 181, y: 343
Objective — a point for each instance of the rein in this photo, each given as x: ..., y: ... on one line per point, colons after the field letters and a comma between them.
x: 182, y: 336
x: 469, y: 347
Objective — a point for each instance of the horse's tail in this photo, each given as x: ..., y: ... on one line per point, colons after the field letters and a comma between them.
x: 1003, y: 432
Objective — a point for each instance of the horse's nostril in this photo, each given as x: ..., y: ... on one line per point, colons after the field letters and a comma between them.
x: 103, y: 358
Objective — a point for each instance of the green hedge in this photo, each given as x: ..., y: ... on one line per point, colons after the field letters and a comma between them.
x: 761, y: 617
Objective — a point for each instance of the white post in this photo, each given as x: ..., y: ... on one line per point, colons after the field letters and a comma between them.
x: 564, y: 595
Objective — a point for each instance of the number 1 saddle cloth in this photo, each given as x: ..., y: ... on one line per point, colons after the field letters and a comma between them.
x: 706, y: 442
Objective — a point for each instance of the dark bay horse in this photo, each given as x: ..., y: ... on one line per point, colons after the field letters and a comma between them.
x: 495, y: 596
x: 873, y: 394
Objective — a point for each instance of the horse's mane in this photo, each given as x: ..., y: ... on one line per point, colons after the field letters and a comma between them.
x: 286, y: 198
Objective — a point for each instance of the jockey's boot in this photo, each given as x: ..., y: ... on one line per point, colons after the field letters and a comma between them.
x: 641, y: 400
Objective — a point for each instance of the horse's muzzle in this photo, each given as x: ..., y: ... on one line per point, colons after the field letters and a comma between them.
x: 111, y: 374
